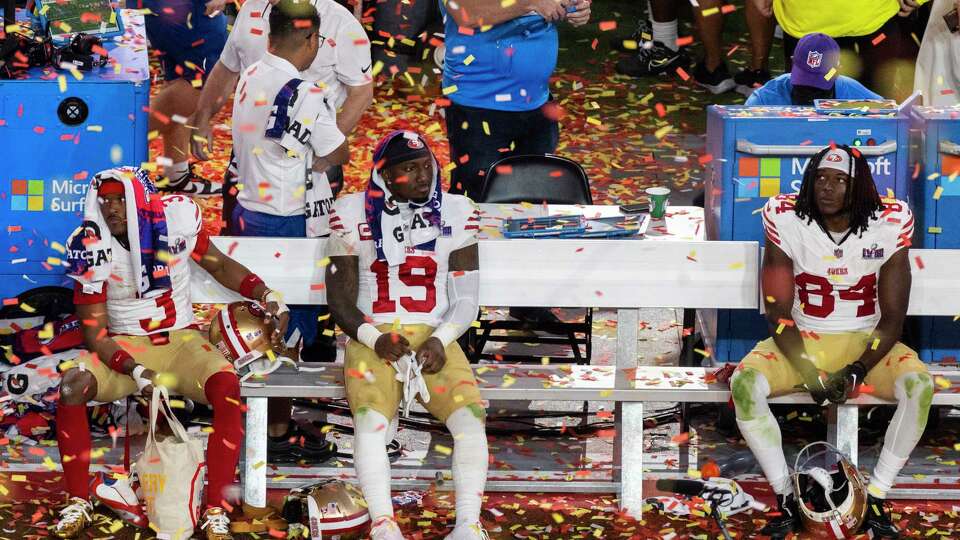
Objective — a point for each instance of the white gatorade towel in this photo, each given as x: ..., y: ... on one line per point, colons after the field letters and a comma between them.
x: 171, y: 474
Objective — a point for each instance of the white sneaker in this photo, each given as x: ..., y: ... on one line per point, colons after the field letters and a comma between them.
x: 472, y: 531
x: 386, y: 528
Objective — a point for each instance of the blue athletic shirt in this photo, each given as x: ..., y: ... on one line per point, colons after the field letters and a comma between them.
x: 505, y: 68
x: 777, y: 91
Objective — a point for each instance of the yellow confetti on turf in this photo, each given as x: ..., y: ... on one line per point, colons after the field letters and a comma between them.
x: 445, y: 450
x: 557, y: 517
x: 447, y: 90
x: 3, y: 490
x: 662, y: 132
x: 115, y: 526
x: 18, y: 477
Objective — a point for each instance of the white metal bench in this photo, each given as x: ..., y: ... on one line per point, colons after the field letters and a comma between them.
x: 620, y: 274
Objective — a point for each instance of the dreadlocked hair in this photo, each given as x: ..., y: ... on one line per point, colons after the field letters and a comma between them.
x: 861, y: 200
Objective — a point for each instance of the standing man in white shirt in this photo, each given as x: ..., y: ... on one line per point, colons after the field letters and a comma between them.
x: 285, y: 136
x: 342, y: 66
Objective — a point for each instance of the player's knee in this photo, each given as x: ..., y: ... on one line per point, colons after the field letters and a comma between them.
x: 745, y: 385
x: 222, y: 386
x: 77, y: 387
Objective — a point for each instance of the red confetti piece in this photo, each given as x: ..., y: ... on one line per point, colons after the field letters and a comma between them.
x: 919, y: 262
x: 607, y: 25
x: 681, y: 438
x: 704, y: 159
x: 256, y: 31
x: 876, y: 41
x: 785, y: 322
x: 684, y: 41
x: 39, y: 130
x: 728, y: 8
x: 683, y: 74
x: 661, y: 110
x: 594, y: 43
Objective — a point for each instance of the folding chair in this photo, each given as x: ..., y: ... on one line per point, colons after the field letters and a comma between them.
x: 534, y: 179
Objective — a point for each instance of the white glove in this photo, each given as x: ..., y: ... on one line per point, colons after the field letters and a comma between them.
x: 408, y: 372
x: 273, y: 296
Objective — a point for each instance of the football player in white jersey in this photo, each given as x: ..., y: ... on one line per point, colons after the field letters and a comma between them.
x: 836, y: 279
x: 403, y: 282
x: 132, y: 293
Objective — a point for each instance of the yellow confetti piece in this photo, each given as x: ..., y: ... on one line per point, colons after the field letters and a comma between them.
x: 445, y: 450
x: 468, y: 60
x: 934, y: 230
x: 937, y: 192
x: 662, y: 132
x: 942, y: 382
x: 18, y: 477
x: 447, y: 90
x: 28, y: 308
x: 486, y: 127
x: 711, y: 11
x: 62, y: 83
x: 694, y: 473
x: 771, y: 299
x: 557, y: 517
x: 3, y: 489
x: 507, y: 3
x: 736, y: 266
x: 830, y: 74
x: 595, y: 121
x: 875, y: 344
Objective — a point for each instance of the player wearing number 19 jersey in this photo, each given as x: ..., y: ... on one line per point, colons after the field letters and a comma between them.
x: 403, y: 283
x: 836, y: 280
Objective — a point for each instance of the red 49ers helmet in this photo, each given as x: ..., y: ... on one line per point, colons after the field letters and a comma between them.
x: 240, y: 334
x: 329, y: 509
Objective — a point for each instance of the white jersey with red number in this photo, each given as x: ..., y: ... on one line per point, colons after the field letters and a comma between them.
x: 836, y: 282
x: 173, y: 310
x: 414, y: 292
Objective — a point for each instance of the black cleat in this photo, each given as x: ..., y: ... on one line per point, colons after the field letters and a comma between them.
x: 787, y: 522
x: 877, y: 524
x: 717, y: 81
x: 748, y: 80
x: 653, y: 58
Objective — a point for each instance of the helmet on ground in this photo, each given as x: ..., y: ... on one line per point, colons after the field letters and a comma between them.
x: 329, y: 509
x: 830, y: 491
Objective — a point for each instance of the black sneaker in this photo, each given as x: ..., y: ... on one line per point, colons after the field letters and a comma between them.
x: 877, y: 524
x: 787, y: 522
x: 637, y: 39
x: 749, y: 80
x: 191, y: 184
x: 655, y: 59
x: 717, y: 81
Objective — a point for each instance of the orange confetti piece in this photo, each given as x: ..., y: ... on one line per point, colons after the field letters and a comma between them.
x: 607, y: 25
x: 876, y: 41
x: 683, y: 74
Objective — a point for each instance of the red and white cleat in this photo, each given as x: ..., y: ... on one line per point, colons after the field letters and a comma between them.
x: 119, y: 495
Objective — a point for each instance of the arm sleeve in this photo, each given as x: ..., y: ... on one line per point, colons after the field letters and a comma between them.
x: 470, y: 232
x: 325, y: 137
x: 353, y: 54
x: 905, y: 236
x: 463, y: 293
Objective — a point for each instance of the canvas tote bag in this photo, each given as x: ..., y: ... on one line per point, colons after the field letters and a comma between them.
x: 171, y: 474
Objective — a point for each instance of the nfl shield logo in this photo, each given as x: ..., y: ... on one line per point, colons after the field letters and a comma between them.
x: 814, y: 58
x: 838, y: 253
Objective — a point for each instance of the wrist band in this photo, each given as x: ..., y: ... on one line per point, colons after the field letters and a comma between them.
x: 368, y: 335
x: 138, y: 378
x: 117, y: 360
x: 249, y: 284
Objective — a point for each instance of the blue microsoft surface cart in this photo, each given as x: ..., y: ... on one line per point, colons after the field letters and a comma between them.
x: 56, y: 131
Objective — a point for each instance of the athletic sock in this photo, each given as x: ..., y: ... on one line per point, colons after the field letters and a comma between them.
x: 371, y: 462
x: 914, y: 392
x: 666, y: 33
x: 222, y: 391
x: 760, y: 429
x: 470, y: 460
x: 73, y: 439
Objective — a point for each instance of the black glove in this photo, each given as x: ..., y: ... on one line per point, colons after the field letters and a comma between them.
x: 843, y: 384
x: 818, y: 390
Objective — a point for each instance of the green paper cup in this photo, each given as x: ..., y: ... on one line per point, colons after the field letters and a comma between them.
x: 658, y: 201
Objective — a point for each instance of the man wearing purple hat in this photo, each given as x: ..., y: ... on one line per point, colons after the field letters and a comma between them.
x: 814, y: 75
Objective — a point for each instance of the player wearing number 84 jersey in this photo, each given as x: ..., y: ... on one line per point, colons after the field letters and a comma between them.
x: 403, y: 283
x: 836, y: 283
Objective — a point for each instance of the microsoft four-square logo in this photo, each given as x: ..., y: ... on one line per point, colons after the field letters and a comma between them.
x: 27, y: 196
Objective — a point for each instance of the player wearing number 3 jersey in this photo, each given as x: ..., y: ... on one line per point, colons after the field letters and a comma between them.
x: 836, y: 279
x: 403, y: 283
x: 131, y: 260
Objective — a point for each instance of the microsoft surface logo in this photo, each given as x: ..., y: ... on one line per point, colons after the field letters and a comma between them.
x: 27, y: 196
x: 758, y: 177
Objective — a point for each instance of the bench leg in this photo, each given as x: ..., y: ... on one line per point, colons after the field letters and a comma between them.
x: 255, y: 460
x: 842, y: 429
x: 630, y: 433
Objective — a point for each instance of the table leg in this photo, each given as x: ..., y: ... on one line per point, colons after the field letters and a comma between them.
x: 255, y: 460
x: 842, y: 429
x: 630, y: 432
x: 628, y: 324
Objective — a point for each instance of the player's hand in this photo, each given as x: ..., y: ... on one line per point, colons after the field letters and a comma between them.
x: 815, y: 383
x: 551, y: 10
x: 279, y: 312
x: 391, y: 346
x: 577, y: 11
x: 213, y: 7
x: 765, y: 7
x: 201, y: 141
x: 843, y: 384
x: 431, y: 356
x: 150, y: 375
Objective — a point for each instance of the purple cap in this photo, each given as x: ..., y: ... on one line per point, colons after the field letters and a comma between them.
x: 814, y: 57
